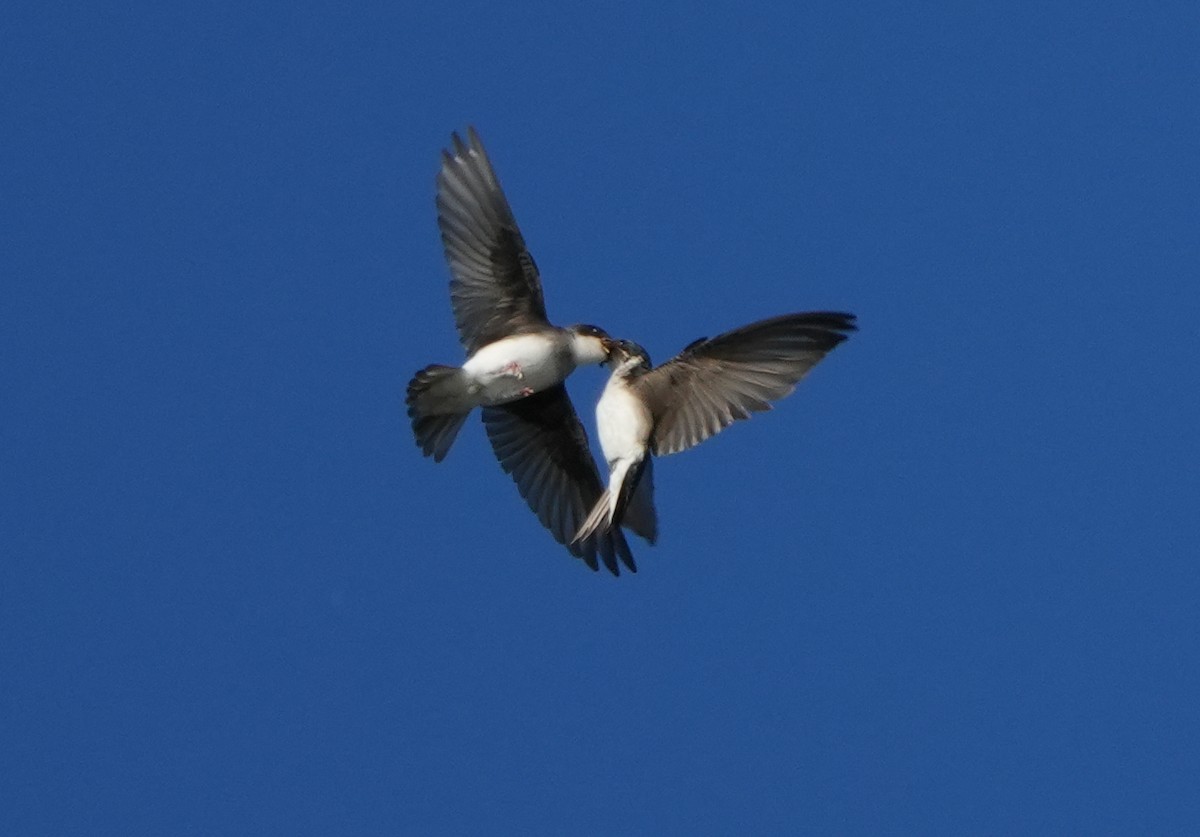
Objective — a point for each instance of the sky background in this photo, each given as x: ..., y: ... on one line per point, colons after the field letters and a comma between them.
x: 949, y: 586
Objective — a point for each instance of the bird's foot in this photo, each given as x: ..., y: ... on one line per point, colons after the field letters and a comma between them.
x: 525, y: 392
x: 512, y: 368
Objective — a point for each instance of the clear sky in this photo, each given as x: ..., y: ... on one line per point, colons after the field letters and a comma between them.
x: 950, y: 586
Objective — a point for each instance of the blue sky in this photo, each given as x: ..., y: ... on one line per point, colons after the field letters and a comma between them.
x: 949, y: 586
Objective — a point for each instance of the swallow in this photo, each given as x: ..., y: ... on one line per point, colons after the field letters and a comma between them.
x: 646, y: 411
x: 516, y: 361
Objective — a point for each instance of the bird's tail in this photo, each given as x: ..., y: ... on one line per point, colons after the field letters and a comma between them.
x: 639, y: 515
x: 628, y: 501
x: 438, y: 404
x: 599, y: 519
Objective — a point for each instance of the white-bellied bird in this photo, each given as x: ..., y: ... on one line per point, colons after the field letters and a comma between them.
x: 646, y: 411
x: 516, y: 361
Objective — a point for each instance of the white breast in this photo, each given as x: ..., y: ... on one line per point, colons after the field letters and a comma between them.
x: 622, y: 422
x: 541, y: 365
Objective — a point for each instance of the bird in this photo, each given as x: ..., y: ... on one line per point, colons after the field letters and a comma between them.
x: 646, y: 411
x: 516, y: 361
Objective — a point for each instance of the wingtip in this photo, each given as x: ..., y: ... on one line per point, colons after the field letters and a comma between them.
x: 627, y: 560
x: 844, y: 321
x: 460, y: 148
x: 611, y: 547
x: 610, y: 564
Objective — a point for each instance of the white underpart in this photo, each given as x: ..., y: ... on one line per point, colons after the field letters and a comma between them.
x: 490, y: 369
x: 623, y: 424
x: 587, y: 350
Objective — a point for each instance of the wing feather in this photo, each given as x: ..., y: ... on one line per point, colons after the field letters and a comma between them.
x: 540, y: 441
x: 495, y: 290
x: 727, y: 378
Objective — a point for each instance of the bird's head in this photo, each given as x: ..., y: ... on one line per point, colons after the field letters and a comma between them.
x: 626, y: 357
x: 590, y: 344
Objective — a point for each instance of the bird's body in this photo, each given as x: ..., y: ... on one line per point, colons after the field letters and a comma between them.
x: 504, y: 371
x: 623, y: 421
x: 516, y: 360
x: 712, y: 383
x: 623, y: 425
x: 518, y: 366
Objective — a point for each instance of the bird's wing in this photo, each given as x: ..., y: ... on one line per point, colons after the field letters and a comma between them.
x: 714, y: 382
x: 494, y: 285
x: 540, y: 441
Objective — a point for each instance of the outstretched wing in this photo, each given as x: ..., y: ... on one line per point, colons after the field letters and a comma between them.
x: 494, y: 285
x: 714, y: 382
x: 540, y: 441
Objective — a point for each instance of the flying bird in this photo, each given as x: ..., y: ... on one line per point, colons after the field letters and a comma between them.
x: 646, y: 411
x: 516, y: 360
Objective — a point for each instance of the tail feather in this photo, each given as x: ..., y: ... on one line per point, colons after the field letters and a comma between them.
x: 640, y: 515
x: 438, y: 404
x: 435, y: 434
x: 612, y: 510
x: 598, y: 519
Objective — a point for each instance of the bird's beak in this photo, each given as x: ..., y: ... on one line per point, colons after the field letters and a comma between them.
x: 608, y: 344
